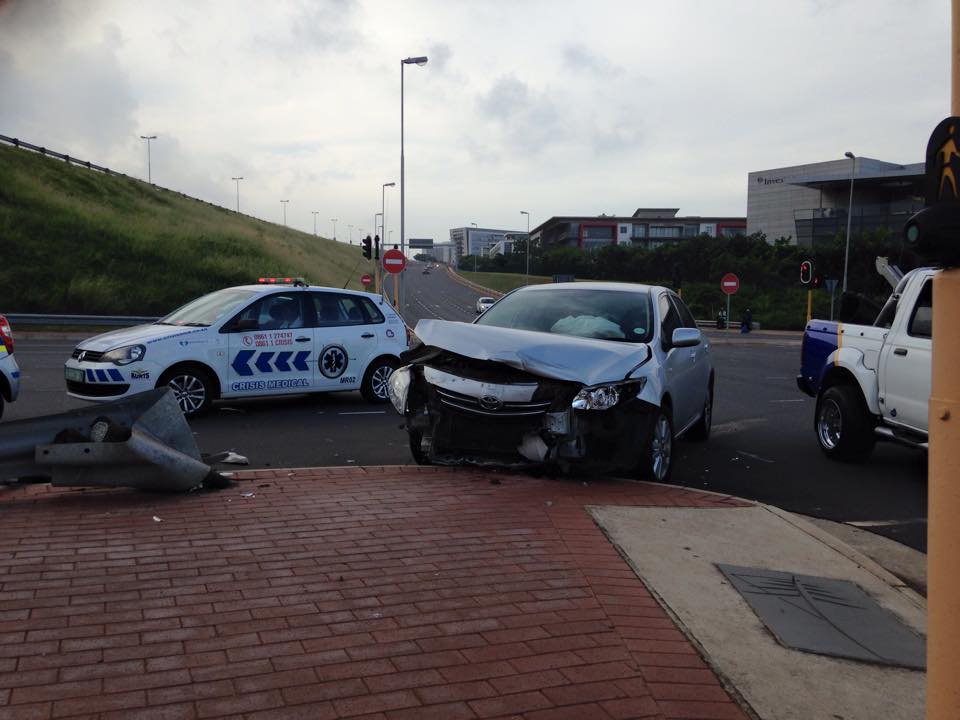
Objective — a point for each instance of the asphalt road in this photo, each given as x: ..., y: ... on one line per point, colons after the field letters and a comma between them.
x: 762, y: 446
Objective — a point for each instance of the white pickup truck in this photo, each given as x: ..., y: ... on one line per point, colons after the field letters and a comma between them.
x: 872, y: 381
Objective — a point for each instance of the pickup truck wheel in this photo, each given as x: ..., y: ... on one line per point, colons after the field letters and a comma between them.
x: 656, y: 462
x: 843, y: 424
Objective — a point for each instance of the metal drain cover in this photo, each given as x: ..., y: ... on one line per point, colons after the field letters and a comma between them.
x: 828, y: 617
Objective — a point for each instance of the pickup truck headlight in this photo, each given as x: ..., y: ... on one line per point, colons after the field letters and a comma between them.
x: 398, y: 387
x: 605, y: 397
x: 125, y: 355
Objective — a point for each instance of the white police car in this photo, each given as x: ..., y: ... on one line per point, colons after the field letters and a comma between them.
x: 278, y: 337
x: 9, y: 371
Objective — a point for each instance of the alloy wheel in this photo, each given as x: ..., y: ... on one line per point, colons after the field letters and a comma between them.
x: 379, y: 381
x: 661, y: 448
x: 189, y: 391
x: 829, y: 424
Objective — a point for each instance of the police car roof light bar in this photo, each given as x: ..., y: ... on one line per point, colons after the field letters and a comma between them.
x: 296, y: 282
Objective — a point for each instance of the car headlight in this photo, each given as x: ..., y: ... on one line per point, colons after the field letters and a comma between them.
x: 605, y: 397
x: 125, y: 355
x: 397, y: 388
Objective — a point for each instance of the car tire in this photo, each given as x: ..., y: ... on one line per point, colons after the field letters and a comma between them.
x: 844, y: 425
x: 192, y: 387
x: 374, y: 386
x: 700, y: 432
x: 656, y: 462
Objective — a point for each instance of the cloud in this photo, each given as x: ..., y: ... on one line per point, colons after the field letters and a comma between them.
x: 46, y: 84
x: 439, y: 54
x: 527, y: 120
x: 315, y: 27
x: 578, y: 59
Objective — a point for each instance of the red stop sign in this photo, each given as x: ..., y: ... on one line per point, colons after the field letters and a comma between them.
x: 394, y: 261
x: 366, y: 279
x: 729, y: 283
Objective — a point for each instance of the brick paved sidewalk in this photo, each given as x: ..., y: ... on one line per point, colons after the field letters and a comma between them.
x: 386, y: 593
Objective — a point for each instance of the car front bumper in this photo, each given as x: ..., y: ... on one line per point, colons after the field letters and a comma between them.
x: 99, y: 382
x: 11, y: 373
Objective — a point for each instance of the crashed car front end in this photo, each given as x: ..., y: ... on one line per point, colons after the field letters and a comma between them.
x: 461, y: 410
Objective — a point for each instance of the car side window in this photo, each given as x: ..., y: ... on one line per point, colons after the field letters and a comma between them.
x: 336, y: 310
x: 281, y: 311
x: 686, y: 317
x: 669, y: 319
x: 921, y: 322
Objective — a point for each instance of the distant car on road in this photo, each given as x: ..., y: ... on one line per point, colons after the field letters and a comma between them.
x: 9, y: 371
x: 426, y: 271
x: 600, y: 376
x: 278, y: 337
x: 484, y: 304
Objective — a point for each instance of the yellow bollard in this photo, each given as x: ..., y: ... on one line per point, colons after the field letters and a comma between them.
x: 809, y: 305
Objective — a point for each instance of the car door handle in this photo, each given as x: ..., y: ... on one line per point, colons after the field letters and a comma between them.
x: 900, y: 351
x: 303, y: 339
x: 367, y: 336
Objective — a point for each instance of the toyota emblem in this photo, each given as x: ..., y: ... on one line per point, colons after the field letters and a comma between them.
x: 491, y: 403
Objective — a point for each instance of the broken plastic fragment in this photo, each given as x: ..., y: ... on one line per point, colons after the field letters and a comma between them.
x: 156, y: 519
x: 247, y: 495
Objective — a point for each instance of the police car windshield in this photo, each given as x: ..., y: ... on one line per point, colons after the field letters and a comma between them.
x: 206, y: 310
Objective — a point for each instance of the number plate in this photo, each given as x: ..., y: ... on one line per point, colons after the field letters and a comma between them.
x: 73, y: 374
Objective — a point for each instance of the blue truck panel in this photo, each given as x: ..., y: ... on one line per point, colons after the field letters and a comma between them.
x: 819, y: 342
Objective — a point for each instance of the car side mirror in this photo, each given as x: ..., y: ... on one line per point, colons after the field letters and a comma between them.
x: 686, y: 337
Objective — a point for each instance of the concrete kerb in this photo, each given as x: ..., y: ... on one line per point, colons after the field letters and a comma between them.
x: 472, y: 285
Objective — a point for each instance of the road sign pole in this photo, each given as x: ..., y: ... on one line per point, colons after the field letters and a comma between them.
x: 810, y: 305
x: 727, y: 325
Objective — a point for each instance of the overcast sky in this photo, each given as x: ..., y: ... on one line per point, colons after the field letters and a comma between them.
x: 555, y: 106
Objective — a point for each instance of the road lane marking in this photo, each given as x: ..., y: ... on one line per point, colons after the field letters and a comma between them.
x: 885, y: 523
x: 755, y: 457
x: 735, y: 426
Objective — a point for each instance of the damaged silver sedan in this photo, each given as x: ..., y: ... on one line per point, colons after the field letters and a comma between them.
x: 592, y: 376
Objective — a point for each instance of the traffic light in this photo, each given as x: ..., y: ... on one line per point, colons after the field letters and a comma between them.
x: 806, y: 272
x: 376, y: 247
x: 816, y: 281
x: 934, y: 232
x: 366, y: 242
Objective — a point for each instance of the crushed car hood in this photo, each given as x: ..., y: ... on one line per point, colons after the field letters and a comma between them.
x: 560, y: 357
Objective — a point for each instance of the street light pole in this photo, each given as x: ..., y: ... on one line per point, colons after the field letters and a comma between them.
x: 283, y: 204
x: 334, y: 221
x: 148, y: 138
x: 846, y: 255
x: 315, y: 213
x: 421, y: 61
x: 375, y: 216
x: 237, y: 180
x: 470, y: 248
x: 383, y: 207
x: 524, y: 212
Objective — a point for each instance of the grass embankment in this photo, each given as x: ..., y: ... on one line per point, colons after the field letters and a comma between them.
x: 502, y: 282
x: 77, y: 241
x: 774, y: 309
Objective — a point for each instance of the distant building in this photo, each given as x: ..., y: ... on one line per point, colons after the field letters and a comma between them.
x: 479, y: 241
x: 808, y: 203
x: 647, y: 228
x: 507, y: 245
x: 444, y: 252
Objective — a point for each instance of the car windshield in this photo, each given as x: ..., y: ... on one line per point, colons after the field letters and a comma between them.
x: 208, y: 309
x: 624, y: 316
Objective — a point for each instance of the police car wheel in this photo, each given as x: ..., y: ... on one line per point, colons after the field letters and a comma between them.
x: 375, y: 381
x: 192, y: 389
